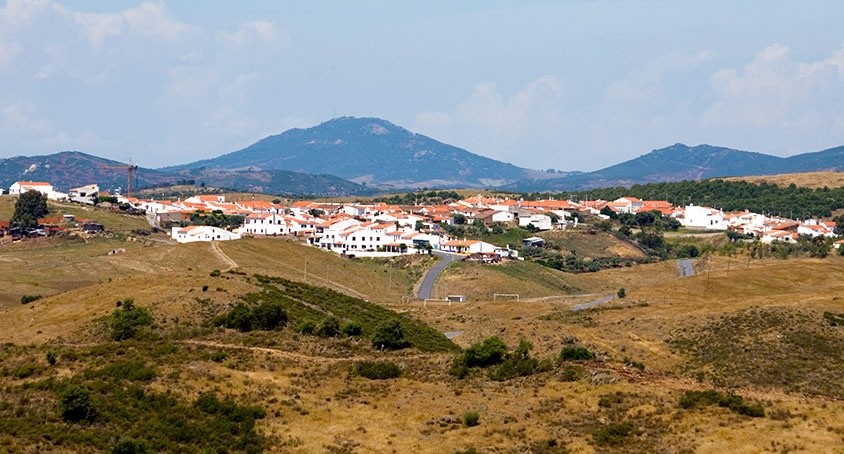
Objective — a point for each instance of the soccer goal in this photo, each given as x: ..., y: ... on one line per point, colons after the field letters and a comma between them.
x: 505, y: 296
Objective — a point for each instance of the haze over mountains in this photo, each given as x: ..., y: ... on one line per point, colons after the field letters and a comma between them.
x: 357, y: 156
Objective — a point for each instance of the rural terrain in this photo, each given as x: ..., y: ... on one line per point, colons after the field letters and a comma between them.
x: 128, y: 342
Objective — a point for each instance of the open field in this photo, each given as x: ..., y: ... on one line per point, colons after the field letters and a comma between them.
x: 754, y: 328
x: 812, y: 180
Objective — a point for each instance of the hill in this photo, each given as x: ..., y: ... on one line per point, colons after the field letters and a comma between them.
x: 812, y: 180
x: 742, y: 357
x: 680, y: 162
x: 69, y: 169
x: 367, y: 150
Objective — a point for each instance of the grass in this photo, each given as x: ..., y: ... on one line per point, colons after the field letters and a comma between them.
x: 812, y: 180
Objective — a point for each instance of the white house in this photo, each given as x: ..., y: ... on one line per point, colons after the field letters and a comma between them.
x: 84, y: 194
x: 468, y: 247
x: 697, y: 217
x: 194, y: 233
x: 19, y: 187
x: 540, y: 221
x: 266, y: 224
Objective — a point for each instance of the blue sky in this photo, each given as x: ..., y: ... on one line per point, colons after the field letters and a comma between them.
x: 570, y: 85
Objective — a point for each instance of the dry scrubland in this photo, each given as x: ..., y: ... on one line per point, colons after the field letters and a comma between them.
x: 753, y: 328
x: 812, y: 180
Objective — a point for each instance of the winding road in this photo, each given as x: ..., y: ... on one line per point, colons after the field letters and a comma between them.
x: 426, y: 288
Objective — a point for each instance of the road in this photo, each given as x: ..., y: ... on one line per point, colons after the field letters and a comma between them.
x: 426, y: 288
x: 687, y: 267
x: 602, y: 300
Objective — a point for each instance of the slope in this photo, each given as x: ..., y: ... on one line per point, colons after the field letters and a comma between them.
x: 367, y: 150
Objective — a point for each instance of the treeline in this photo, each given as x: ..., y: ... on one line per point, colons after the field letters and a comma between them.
x: 765, y: 198
x: 421, y: 197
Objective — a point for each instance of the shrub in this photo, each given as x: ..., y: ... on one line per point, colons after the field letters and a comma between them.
x: 127, y: 318
x: 622, y: 293
x: 307, y: 327
x: 129, y: 446
x: 378, y: 370
x: 52, y: 357
x: 239, y: 318
x: 204, y: 288
x: 734, y: 402
x: 389, y: 335
x: 218, y: 356
x: 834, y: 319
x: 26, y: 299
x: 459, y: 369
x: 76, y: 406
x: 576, y: 353
x: 514, y: 367
x: 352, y: 329
x: 571, y: 373
x: 328, y: 327
x: 269, y: 315
x: 131, y: 370
x: 215, y: 273
x: 613, y: 434
x: 489, y: 352
x: 471, y: 418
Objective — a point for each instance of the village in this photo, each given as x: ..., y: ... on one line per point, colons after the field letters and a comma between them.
x: 384, y: 230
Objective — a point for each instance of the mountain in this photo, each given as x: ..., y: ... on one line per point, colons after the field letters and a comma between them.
x: 367, y: 150
x: 69, y: 169
x: 680, y: 162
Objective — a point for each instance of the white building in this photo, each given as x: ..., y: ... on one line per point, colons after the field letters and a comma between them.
x: 194, y: 233
x: 266, y: 224
x: 540, y: 221
x: 84, y: 194
x: 19, y: 187
x: 697, y: 217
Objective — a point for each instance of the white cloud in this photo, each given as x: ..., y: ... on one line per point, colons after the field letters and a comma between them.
x: 499, y: 126
x: 259, y: 32
x: 796, y: 104
x: 21, y: 119
x: 8, y: 52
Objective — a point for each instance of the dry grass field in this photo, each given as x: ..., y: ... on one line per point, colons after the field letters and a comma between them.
x: 753, y: 328
x: 812, y: 180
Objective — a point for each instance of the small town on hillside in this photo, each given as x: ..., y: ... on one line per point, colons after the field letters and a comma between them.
x: 384, y: 230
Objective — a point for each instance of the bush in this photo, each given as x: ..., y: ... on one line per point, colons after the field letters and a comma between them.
x: 127, y: 319
x: 76, y: 406
x: 328, y: 327
x: 129, y: 446
x: 734, y: 402
x: 389, y: 335
x: 378, y: 370
x: 215, y: 273
x: 459, y: 369
x: 576, y: 353
x: 352, y: 329
x: 26, y: 299
x: 218, y: 356
x: 131, y: 370
x: 613, y: 434
x: 622, y: 293
x: 489, y: 352
x: 52, y: 357
x: 266, y: 316
x: 307, y: 327
x: 571, y: 373
x: 514, y: 367
x: 471, y: 418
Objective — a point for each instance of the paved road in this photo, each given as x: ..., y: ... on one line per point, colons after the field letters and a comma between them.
x: 427, y: 285
x: 687, y: 267
x: 602, y: 300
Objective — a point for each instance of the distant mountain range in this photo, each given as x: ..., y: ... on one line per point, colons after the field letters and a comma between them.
x: 370, y: 151
x: 361, y: 156
x: 681, y: 162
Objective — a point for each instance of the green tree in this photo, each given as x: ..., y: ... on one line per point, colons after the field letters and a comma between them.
x: 126, y: 319
x: 76, y: 406
x: 30, y: 206
x: 389, y: 335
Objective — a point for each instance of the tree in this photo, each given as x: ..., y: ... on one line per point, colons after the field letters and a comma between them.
x: 127, y: 319
x: 30, y: 206
x: 459, y: 219
x: 76, y: 405
x: 389, y: 335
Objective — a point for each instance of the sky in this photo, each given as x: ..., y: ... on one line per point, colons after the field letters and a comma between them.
x: 568, y: 85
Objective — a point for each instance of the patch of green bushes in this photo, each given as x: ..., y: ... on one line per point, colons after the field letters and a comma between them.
x: 734, y: 402
x: 377, y: 370
x: 613, y: 434
x: 127, y: 319
x: 26, y: 299
x: 576, y: 353
x: 471, y: 418
x: 834, y: 319
x: 266, y: 316
x: 389, y: 335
